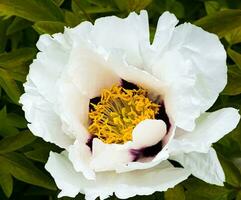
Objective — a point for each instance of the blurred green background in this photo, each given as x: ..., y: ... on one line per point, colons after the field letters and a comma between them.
x: 22, y: 156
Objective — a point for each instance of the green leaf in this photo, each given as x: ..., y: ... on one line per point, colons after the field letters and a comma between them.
x: 226, y: 101
x: 17, y: 25
x: 233, y: 86
x: 17, y: 58
x: 229, y: 147
x: 101, y: 3
x: 72, y: 19
x: 3, y: 30
x: 211, y: 7
x: 9, y: 85
x: 15, y: 142
x: 150, y: 197
x: 95, y: 10
x: 24, y: 170
x: 176, y: 193
x: 234, y: 36
x: 235, y: 56
x: 92, y: 7
x: 14, y: 66
x: 48, y: 27
x: 58, y: 2
x: 222, y: 22
x: 199, y: 190
x: 30, y: 37
x: 132, y: 5
x: 32, y: 10
x: 40, y: 150
x: 237, y: 163
x: 40, y: 155
x: 5, y: 128
x: 238, y: 195
x: 175, y: 7
x: 15, y: 39
x: 38, y: 191
x: 6, y: 182
x: 232, y: 174
x: 16, y: 120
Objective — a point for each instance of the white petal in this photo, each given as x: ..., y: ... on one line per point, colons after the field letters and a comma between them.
x: 120, y: 157
x: 205, y: 166
x: 149, y: 162
x: 145, y: 163
x: 89, y: 72
x: 73, y: 108
x: 165, y: 27
x: 179, y: 101
x: 43, y: 121
x: 124, y: 34
x: 194, y: 43
x: 49, y: 64
x: 210, y: 128
x: 125, y: 185
x: 80, y: 156
x: 117, y: 63
x: 148, y: 133
x: 42, y: 89
x: 78, y: 34
x: 53, y: 58
x: 107, y: 157
x: 146, y: 182
x: 66, y: 178
x: 195, y: 76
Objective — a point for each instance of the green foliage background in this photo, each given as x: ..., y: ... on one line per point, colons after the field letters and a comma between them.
x: 22, y: 155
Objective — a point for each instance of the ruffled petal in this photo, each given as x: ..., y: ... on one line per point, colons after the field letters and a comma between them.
x: 106, y: 157
x: 43, y: 88
x: 43, y: 121
x: 205, y: 166
x: 183, y: 66
x: 66, y: 178
x: 164, y: 30
x: 80, y: 156
x: 49, y: 64
x: 193, y: 45
x: 177, y: 95
x: 210, y: 128
x: 148, y: 162
x: 148, y: 133
x: 126, y: 34
x: 73, y: 108
x: 89, y: 71
x: 120, y: 157
x: 144, y: 163
x: 165, y: 27
x: 117, y: 63
x: 125, y: 185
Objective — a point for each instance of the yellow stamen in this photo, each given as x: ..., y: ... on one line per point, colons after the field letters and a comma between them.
x: 118, y: 112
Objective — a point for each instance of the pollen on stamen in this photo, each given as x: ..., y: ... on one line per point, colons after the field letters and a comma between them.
x: 117, y: 113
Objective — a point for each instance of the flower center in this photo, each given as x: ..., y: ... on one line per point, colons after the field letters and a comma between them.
x: 117, y: 113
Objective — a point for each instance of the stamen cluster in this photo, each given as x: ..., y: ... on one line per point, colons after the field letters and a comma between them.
x: 117, y: 113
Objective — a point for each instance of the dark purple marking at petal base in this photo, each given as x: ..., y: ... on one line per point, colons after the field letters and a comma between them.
x: 162, y: 114
x: 89, y: 143
x: 151, y: 151
x: 146, y: 151
x: 128, y: 85
x: 95, y: 101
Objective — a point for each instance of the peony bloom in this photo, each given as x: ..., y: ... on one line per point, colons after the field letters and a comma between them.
x: 122, y: 108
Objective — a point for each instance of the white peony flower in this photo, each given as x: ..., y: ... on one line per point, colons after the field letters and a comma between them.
x: 123, y: 107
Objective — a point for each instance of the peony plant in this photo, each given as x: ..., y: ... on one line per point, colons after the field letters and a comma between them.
x: 124, y: 108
